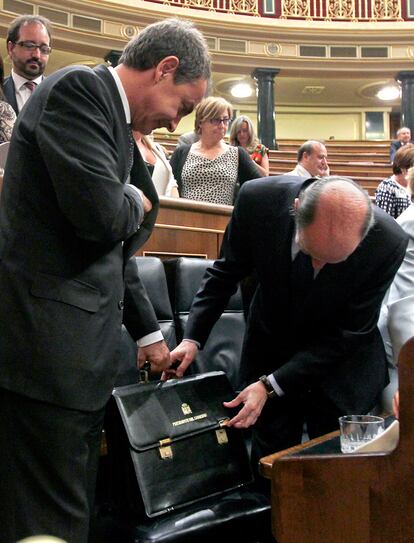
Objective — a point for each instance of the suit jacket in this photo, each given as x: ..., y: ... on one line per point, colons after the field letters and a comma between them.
x: 9, y: 90
x: 10, y: 93
x: 68, y: 226
x: 394, y: 146
x: 332, y: 345
x: 397, y: 312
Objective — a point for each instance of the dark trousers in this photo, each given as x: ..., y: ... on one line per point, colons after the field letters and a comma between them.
x: 48, y: 464
x: 282, y: 420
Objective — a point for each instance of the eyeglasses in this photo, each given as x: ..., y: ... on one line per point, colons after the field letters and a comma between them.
x: 31, y: 46
x: 218, y: 120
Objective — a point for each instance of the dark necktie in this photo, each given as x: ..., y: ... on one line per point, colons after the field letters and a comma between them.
x: 31, y: 85
x: 301, y: 280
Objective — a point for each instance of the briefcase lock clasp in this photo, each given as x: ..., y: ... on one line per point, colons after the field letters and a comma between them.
x: 165, y: 449
x: 221, y: 434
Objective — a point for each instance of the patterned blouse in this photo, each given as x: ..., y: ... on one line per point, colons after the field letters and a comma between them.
x: 7, y: 120
x: 258, y: 152
x: 392, y: 197
x: 211, y: 180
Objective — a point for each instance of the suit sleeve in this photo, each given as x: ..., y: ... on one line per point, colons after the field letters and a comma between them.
x: 139, y: 315
x: 393, y: 150
x: 177, y: 161
x: 75, y: 135
x: 247, y: 167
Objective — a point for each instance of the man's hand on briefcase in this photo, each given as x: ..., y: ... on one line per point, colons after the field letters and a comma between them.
x: 180, y: 358
x: 157, y: 354
x: 254, y: 397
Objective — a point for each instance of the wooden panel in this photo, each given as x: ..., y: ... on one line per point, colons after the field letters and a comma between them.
x: 187, y: 228
x: 339, y: 498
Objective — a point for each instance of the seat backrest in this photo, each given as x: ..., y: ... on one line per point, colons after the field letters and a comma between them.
x: 223, y: 348
x: 152, y: 275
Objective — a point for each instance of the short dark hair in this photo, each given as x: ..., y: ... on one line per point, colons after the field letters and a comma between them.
x: 174, y: 37
x: 309, y: 199
x: 13, y: 31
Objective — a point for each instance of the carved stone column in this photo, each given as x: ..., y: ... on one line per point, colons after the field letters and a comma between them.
x: 266, y: 105
x: 406, y: 80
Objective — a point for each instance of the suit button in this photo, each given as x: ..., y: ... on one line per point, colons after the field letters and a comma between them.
x: 121, y: 304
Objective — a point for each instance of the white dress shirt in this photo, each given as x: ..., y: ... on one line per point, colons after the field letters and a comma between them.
x: 22, y: 92
x: 154, y: 336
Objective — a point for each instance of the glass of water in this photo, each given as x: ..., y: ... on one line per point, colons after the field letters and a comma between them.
x: 356, y: 430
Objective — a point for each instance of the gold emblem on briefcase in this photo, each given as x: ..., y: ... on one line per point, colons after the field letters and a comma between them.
x: 186, y: 409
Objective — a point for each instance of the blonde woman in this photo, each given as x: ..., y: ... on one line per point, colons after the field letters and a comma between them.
x: 242, y: 134
x: 210, y: 170
x: 157, y: 163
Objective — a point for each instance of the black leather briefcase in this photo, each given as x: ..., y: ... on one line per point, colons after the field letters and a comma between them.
x: 180, y: 447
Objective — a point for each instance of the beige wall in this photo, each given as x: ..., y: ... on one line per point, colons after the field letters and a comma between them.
x: 321, y: 126
x: 301, y: 124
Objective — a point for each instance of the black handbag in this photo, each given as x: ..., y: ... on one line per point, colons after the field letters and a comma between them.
x: 180, y: 447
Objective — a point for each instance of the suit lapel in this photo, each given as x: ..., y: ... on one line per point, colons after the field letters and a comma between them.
x: 139, y: 175
x: 121, y: 128
x: 10, y: 93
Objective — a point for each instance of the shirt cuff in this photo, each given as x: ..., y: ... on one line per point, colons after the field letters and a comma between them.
x: 274, y: 384
x: 193, y: 341
x: 150, y: 338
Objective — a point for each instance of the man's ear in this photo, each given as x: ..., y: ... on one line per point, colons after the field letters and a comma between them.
x: 166, y: 66
x: 296, y: 203
x: 9, y: 47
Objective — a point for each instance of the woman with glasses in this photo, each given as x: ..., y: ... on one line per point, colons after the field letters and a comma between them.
x: 210, y: 170
x: 242, y: 134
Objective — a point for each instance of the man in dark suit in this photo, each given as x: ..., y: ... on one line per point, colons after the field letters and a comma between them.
x: 72, y: 213
x: 311, y: 347
x: 29, y: 46
x: 403, y: 137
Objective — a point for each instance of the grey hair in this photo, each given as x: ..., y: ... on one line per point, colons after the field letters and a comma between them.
x: 172, y: 37
x: 309, y: 199
x: 402, y: 128
x: 236, y: 126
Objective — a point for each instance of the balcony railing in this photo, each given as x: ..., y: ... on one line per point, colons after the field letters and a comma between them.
x: 346, y: 10
x: 243, y: 7
x: 322, y: 10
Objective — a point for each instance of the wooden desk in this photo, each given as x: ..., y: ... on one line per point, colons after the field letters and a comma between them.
x: 187, y: 228
x: 355, y: 498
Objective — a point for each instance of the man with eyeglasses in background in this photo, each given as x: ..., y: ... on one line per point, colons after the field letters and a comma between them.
x: 28, y: 45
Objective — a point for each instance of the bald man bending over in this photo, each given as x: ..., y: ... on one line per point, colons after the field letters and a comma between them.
x: 324, y: 257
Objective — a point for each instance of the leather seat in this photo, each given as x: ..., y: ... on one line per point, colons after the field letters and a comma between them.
x: 242, y: 515
x: 223, y: 348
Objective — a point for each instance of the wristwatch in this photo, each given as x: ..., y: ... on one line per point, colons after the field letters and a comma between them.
x: 270, y: 391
